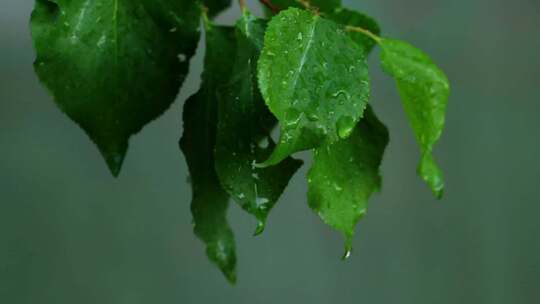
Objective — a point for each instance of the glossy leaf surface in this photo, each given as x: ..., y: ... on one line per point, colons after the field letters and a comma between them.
x: 345, y: 174
x: 314, y: 78
x: 112, y: 67
x: 424, y: 90
x: 243, y: 137
x: 210, y: 201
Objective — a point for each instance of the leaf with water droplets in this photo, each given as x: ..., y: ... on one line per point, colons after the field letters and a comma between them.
x: 345, y: 16
x: 210, y: 201
x: 243, y: 137
x: 345, y: 174
x: 314, y: 78
x: 113, y: 66
x: 424, y: 90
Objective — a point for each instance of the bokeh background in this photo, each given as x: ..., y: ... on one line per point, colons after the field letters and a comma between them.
x: 70, y: 233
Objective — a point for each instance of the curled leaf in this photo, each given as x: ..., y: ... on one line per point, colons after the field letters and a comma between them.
x: 424, y: 90
x: 210, y: 201
x: 243, y: 136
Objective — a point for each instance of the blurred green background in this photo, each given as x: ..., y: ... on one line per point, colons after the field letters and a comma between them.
x: 70, y: 233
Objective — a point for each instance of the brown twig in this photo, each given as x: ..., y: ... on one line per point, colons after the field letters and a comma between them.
x: 242, y: 4
x: 271, y: 6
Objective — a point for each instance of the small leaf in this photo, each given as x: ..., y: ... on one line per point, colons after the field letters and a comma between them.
x: 314, y: 78
x: 243, y: 137
x: 345, y: 174
x: 210, y: 201
x: 424, y: 90
x: 216, y: 6
x: 111, y: 66
x: 348, y: 17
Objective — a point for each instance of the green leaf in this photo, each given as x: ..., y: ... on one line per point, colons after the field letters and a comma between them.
x: 322, y: 5
x: 210, y: 201
x: 345, y: 174
x: 352, y: 18
x: 243, y: 137
x: 111, y: 66
x: 216, y: 6
x: 314, y: 78
x: 424, y: 89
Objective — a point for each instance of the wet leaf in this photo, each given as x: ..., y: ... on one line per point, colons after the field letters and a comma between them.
x: 314, y: 78
x: 345, y: 16
x: 112, y: 67
x: 210, y: 201
x: 243, y: 137
x: 424, y: 90
x: 345, y: 174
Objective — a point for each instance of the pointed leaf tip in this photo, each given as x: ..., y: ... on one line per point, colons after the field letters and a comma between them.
x: 114, y: 157
x: 115, y: 164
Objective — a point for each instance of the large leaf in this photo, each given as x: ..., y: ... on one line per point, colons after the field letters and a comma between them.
x: 345, y: 174
x: 216, y: 6
x: 424, y: 89
x: 243, y: 137
x: 314, y: 78
x: 352, y: 18
x: 210, y: 201
x: 113, y: 66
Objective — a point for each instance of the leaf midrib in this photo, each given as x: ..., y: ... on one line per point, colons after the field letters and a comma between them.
x: 306, y: 51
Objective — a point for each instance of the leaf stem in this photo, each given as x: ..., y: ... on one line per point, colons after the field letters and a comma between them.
x: 206, y: 20
x: 363, y: 31
x: 242, y: 4
x: 306, y: 4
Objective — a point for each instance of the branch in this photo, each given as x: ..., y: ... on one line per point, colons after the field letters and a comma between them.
x: 271, y: 6
x: 242, y: 4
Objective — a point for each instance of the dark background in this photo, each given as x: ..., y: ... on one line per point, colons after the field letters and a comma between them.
x: 70, y: 233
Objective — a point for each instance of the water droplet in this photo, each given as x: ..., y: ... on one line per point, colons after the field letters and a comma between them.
x: 181, y: 57
x: 341, y: 93
x: 261, y: 201
x: 260, y: 228
x: 348, y: 247
x: 264, y: 143
x: 345, y: 126
x: 313, y: 117
x: 347, y: 254
x: 172, y: 30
